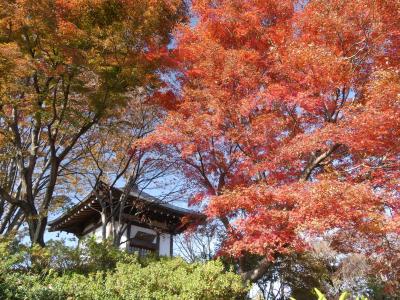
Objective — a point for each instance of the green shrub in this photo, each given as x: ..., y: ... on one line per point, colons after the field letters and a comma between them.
x: 98, y: 271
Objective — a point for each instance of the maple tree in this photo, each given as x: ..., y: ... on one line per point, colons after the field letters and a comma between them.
x: 64, y: 67
x: 286, y: 119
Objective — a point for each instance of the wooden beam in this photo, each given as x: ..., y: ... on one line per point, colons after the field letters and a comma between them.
x: 153, y: 223
x: 142, y: 244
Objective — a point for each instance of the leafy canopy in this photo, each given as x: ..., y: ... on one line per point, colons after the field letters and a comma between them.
x: 287, y: 124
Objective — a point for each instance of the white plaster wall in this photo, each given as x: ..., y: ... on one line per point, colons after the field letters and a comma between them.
x: 98, y: 234
x: 165, y: 244
x: 165, y: 238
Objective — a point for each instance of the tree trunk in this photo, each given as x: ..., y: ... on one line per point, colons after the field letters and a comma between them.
x: 36, y: 229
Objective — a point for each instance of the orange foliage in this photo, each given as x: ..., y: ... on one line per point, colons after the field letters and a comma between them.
x: 288, y: 119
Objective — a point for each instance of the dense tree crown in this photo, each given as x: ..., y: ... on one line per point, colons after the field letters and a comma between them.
x: 286, y: 119
x: 64, y: 67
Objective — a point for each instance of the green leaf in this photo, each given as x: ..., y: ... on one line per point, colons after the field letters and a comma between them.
x: 319, y: 294
x: 344, y: 296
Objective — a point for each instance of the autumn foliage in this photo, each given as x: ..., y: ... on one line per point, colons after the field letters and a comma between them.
x: 282, y: 116
x: 66, y: 66
x: 286, y: 119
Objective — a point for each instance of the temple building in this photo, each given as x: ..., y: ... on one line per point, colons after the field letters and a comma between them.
x: 149, y: 224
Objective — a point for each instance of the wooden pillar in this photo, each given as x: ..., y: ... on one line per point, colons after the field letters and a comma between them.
x: 158, y: 244
x: 128, y: 236
x: 171, y: 245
